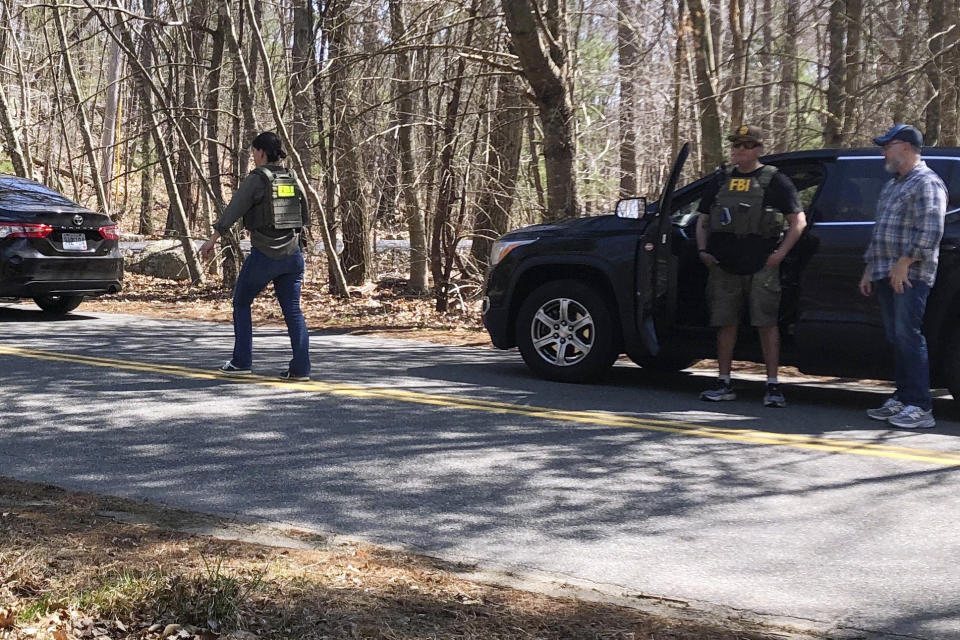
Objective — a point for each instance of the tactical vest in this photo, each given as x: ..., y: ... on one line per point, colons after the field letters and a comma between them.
x: 280, y: 207
x: 738, y: 208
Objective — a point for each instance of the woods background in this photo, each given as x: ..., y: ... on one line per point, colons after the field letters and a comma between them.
x: 444, y: 119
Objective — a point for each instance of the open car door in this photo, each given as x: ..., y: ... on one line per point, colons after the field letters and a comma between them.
x: 656, y: 276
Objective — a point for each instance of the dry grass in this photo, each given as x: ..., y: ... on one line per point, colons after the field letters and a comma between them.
x: 68, y: 571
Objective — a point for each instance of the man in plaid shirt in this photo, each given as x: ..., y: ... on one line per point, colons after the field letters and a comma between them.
x: 901, y: 267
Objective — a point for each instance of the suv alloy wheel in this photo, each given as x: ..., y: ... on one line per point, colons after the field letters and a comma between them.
x: 565, y: 332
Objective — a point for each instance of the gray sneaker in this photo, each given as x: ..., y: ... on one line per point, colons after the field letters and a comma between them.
x: 774, y: 397
x: 228, y: 369
x: 886, y: 411
x: 721, y: 392
x: 913, y: 418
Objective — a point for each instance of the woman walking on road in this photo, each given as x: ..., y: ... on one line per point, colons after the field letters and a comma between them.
x: 274, y: 210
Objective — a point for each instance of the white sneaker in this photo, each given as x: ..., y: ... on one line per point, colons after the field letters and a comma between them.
x: 913, y: 418
x: 886, y: 411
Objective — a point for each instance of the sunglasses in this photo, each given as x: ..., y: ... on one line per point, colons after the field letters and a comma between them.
x: 745, y: 145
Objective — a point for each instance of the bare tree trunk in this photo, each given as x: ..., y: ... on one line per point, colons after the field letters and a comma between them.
x: 412, y: 215
x: 766, y: 68
x: 738, y: 67
x: 628, y: 55
x: 535, y: 166
x: 711, y: 150
x: 788, y: 79
x: 679, y: 59
x: 147, y: 176
x: 304, y: 123
x: 108, y: 136
x: 949, y: 134
x: 546, y: 67
x: 245, y: 85
x: 357, y: 253
x: 852, y: 63
x: 836, y: 75
x: 908, y: 47
x: 446, y: 194
x: 10, y: 137
x: 936, y: 10
x: 502, y: 166
x: 81, y: 113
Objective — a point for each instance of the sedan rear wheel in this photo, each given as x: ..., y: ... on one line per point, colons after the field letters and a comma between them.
x: 58, y: 305
x: 565, y: 332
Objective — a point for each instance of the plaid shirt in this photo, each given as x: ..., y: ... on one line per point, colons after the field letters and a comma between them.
x: 910, y: 213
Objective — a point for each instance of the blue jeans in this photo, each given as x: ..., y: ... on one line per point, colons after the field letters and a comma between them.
x: 903, y: 323
x: 287, y: 276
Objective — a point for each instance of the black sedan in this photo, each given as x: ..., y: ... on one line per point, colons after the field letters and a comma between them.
x: 52, y: 249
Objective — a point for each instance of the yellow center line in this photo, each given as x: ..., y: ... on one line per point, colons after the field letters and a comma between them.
x: 598, y: 418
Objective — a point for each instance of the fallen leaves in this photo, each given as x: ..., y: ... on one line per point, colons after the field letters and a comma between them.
x: 382, y: 307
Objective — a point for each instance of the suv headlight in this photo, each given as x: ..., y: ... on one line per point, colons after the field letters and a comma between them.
x: 501, y: 248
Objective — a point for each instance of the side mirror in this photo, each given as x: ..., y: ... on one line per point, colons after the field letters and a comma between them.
x: 631, y: 208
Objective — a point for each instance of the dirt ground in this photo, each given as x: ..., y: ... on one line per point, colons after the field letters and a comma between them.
x: 76, y: 565
x: 383, y: 307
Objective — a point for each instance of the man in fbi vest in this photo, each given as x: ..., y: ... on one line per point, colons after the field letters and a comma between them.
x: 741, y: 240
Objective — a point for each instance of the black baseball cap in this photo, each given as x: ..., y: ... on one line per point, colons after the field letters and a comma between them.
x: 904, y: 132
x: 747, y: 133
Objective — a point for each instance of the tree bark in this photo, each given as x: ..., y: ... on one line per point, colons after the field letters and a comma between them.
x: 937, y: 12
x: 546, y: 68
x: 711, y: 149
x: 440, y: 238
x: 908, y: 47
x: 788, y: 79
x: 108, y: 136
x: 852, y: 63
x: 627, y: 58
x: 354, y: 224
x: 412, y: 214
x: 836, y: 75
x: 502, y: 166
x: 738, y: 65
x: 10, y: 137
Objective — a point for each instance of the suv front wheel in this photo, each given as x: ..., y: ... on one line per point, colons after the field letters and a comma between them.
x: 565, y: 332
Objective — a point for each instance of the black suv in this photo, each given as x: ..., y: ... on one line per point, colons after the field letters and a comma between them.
x: 574, y: 294
x: 52, y: 249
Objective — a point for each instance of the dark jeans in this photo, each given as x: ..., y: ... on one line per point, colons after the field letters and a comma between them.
x: 903, y: 323
x: 287, y: 276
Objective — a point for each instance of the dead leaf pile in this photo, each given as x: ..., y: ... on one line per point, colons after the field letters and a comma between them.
x: 384, y: 307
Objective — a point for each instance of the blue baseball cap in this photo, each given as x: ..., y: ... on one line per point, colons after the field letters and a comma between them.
x: 903, y: 132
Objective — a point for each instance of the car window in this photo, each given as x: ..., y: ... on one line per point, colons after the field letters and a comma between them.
x: 948, y: 170
x: 807, y: 178
x: 850, y: 195
x: 16, y: 192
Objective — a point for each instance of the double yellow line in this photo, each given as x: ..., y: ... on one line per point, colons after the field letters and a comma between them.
x: 596, y: 418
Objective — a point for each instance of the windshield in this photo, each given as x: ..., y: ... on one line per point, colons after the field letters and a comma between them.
x: 21, y: 193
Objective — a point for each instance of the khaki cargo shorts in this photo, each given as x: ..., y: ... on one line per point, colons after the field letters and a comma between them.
x: 727, y: 292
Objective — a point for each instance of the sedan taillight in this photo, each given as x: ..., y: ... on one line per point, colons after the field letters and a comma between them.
x: 24, y: 230
x: 109, y: 232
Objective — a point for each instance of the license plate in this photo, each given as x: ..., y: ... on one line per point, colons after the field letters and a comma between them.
x: 74, y: 242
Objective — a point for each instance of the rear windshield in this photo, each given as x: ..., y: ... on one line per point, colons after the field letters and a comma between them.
x: 20, y: 193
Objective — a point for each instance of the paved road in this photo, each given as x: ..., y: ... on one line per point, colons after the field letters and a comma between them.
x: 812, y: 512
